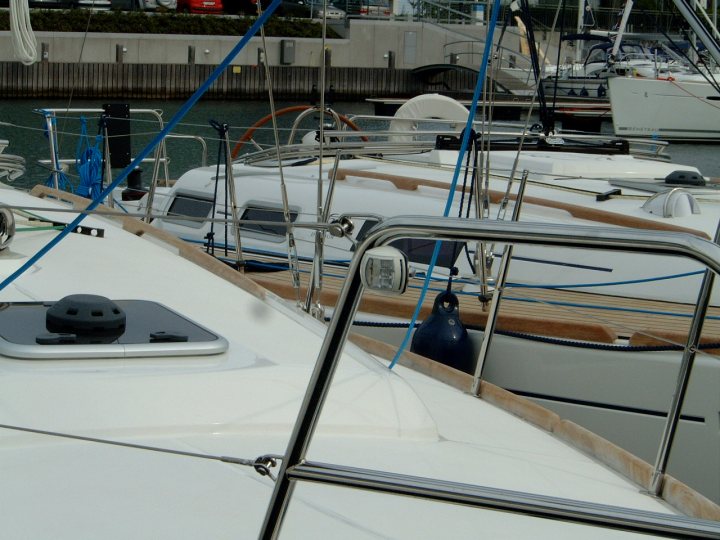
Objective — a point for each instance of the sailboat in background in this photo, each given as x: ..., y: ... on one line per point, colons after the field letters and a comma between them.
x: 176, y: 427
x: 675, y: 106
x: 667, y: 108
x: 164, y: 407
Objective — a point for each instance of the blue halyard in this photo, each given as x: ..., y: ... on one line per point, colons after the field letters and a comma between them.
x: 145, y: 152
x: 88, y: 160
x: 456, y: 174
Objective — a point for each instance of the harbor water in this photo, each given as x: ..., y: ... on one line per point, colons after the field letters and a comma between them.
x: 24, y: 127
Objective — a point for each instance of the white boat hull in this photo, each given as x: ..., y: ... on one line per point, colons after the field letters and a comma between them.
x: 623, y: 395
x: 667, y: 109
x: 599, y: 272
x: 101, y: 446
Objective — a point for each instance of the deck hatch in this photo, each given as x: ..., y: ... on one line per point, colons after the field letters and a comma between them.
x: 151, y: 330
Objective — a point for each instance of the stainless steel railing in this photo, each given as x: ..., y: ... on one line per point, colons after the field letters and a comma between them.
x: 296, y: 468
x: 160, y: 159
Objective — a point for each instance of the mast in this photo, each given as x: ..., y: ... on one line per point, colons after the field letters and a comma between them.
x: 700, y: 31
x: 579, y: 29
x: 621, y: 29
x: 585, y: 19
x: 546, y: 115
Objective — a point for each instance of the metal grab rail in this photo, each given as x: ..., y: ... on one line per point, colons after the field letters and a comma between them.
x: 506, y: 500
x: 160, y: 158
x: 376, y: 146
x: 294, y: 466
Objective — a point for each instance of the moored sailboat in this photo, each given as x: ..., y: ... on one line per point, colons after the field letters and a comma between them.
x: 174, y: 433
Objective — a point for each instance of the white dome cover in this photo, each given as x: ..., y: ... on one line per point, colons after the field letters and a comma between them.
x: 676, y: 202
x: 425, y: 107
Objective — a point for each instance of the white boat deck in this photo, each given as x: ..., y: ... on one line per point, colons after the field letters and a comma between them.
x: 243, y: 403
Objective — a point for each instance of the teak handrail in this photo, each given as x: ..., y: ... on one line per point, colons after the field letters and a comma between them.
x: 409, y: 183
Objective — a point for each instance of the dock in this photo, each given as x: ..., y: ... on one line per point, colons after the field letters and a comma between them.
x: 179, y: 81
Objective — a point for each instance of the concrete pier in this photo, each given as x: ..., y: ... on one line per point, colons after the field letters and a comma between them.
x: 375, y: 59
x: 177, y: 81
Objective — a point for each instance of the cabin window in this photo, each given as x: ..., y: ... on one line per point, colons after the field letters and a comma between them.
x: 596, y: 56
x: 190, y: 206
x: 269, y: 215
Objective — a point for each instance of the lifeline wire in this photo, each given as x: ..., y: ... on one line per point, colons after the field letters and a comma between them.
x: 456, y: 175
x: 261, y: 464
x: 145, y: 152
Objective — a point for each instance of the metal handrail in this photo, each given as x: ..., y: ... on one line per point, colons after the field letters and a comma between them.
x: 50, y: 113
x: 528, y: 504
x: 294, y: 466
x: 199, y: 139
x: 332, y: 148
x: 518, y: 58
x: 384, y: 147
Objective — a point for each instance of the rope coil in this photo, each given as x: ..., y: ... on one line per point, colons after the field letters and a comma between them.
x: 21, y: 32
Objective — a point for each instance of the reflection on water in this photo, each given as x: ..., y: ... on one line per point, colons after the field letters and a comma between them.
x: 25, y: 131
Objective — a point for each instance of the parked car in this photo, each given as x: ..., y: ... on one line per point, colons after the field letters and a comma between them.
x: 98, y: 5
x: 333, y: 12
x: 375, y: 8
x: 299, y: 9
x: 200, y: 6
x: 240, y: 7
x: 157, y: 5
x: 293, y: 8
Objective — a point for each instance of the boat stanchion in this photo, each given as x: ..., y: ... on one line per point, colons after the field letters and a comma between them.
x: 499, y: 287
x: 688, y: 360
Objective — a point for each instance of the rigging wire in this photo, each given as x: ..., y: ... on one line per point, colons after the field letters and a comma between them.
x: 292, y: 246
x: 57, y: 177
x: 546, y: 114
x: 79, y: 60
x: 456, y: 174
x: 313, y: 290
x: 145, y: 152
x: 706, y: 73
x: 261, y: 464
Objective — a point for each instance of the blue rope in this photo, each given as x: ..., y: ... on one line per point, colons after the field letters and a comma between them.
x: 63, y: 182
x: 456, y: 174
x: 88, y: 161
x: 145, y: 152
x: 120, y: 205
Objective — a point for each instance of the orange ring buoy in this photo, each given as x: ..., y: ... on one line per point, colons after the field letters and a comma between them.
x: 294, y: 108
